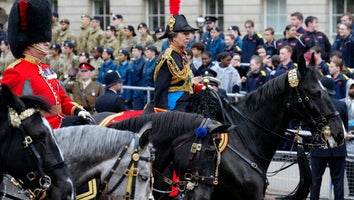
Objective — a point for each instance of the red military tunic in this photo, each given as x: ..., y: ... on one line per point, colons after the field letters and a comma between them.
x: 44, y: 83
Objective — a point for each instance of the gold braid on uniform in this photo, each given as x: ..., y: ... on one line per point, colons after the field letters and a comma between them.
x: 177, y: 74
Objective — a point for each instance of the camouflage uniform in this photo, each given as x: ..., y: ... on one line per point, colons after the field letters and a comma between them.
x: 95, y: 38
x: 128, y: 43
x: 145, y: 41
x: 66, y: 64
x: 83, y: 38
x: 96, y: 63
x: 5, y: 60
x: 55, y: 32
x: 158, y: 44
x: 120, y: 34
x: 66, y: 35
x: 113, y: 44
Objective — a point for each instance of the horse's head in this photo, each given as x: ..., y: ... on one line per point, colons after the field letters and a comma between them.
x: 28, y: 150
x: 196, y: 160
x: 311, y: 104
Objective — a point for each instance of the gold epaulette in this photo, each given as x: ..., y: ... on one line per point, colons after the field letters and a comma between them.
x: 350, y: 70
x: 238, y: 48
x: 259, y: 35
x: 16, y: 62
x: 345, y: 76
x: 166, y: 55
x: 263, y: 73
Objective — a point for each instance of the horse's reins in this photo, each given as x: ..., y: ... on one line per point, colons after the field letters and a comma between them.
x: 191, y: 179
x: 43, y: 179
x: 131, y: 172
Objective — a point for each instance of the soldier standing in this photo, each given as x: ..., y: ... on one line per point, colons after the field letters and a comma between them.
x: 6, y: 56
x: 84, y: 33
x: 96, y: 60
x: 96, y: 34
x: 65, y: 34
x: 159, y: 32
x: 55, y: 27
x: 85, y: 91
x: 111, y: 40
x: 144, y: 38
x: 53, y: 58
x: 129, y: 38
x: 117, y: 21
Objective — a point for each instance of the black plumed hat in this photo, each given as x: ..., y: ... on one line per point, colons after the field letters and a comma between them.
x: 177, y: 23
x: 30, y: 22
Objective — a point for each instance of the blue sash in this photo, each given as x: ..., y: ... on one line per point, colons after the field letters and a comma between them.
x: 173, y: 98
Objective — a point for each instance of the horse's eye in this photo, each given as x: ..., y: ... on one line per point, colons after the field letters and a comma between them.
x: 143, y: 177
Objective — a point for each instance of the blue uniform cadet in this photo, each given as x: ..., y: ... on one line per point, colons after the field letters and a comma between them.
x: 217, y: 45
x: 340, y: 81
x: 249, y: 45
x: 295, y: 43
x: 255, y: 80
x: 284, y: 69
x: 310, y: 39
x: 346, y: 46
x: 125, y: 73
x: 106, y: 66
x: 139, y: 96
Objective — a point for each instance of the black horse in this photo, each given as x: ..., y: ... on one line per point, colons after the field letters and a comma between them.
x: 190, y: 142
x: 28, y: 150
x: 261, y: 119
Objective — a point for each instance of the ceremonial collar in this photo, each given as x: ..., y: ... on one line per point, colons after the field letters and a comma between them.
x: 32, y: 59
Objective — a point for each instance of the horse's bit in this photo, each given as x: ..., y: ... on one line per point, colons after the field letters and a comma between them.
x: 43, y: 179
x: 131, y: 172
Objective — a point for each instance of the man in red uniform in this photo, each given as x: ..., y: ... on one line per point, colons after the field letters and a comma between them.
x: 30, y: 29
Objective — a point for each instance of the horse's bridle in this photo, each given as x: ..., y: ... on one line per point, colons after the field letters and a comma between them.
x: 44, y: 180
x: 131, y: 172
x: 323, y: 131
x: 191, y: 179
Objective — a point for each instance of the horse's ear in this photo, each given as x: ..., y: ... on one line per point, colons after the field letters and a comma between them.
x: 27, y: 88
x: 301, y: 64
x: 10, y: 98
x: 145, y: 134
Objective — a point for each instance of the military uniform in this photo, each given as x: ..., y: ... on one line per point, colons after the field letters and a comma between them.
x: 44, y: 83
x: 120, y: 34
x: 316, y: 38
x: 145, y: 41
x: 95, y: 38
x: 296, y: 45
x: 255, y: 80
x: 66, y: 35
x: 128, y: 43
x: 66, y: 64
x: 339, y: 86
x: 284, y: 69
x: 87, y: 96
x: 6, y: 59
x: 55, y: 32
x: 54, y: 62
x: 346, y: 46
x: 96, y: 63
x: 113, y: 44
x: 83, y: 38
x: 158, y: 44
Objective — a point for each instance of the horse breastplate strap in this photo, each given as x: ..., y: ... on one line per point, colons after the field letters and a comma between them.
x: 16, y: 119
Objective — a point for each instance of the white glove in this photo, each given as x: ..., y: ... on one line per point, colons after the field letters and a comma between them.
x: 84, y: 114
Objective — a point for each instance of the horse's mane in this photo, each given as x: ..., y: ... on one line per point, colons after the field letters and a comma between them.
x: 95, y: 141
x: 167, y: 124
x: 272, y: 89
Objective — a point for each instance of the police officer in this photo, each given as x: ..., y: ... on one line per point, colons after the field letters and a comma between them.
x: 173, y: 76
x: 110, y: 101
x: 85, y: 91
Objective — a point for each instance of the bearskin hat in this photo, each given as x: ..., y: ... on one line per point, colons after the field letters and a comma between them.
x: 30, y: 22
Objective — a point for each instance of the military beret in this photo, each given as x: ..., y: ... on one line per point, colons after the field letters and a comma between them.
x: 108, y: 50
x: 117, y: 16
x: 97, y: 18
x: 55, y: 46
x: 66, y: 21
x: 86, y: 54
x: 152, y: 48
x: 142, y: 25
x: 124, y: 51
x: 235, y: 28
x: 216, y: 28
x: 69, y: 44
x: 112, y: 28
x: 86, y: 66
x: 55, y: 14
x: 160, y: 29
x: 138, y: 46
x: 210, y: 19
x: 85, y: 15
x: 98, y: 48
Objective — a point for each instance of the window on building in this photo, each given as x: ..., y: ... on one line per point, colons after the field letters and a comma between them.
x: 54, y: 4
x: 156, y: 14
x: 102, y: 9
x: 276, y: 16
x: 340, y: 7
x: 215, y: 8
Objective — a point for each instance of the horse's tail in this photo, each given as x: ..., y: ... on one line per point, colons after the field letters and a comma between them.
x: 303, y: 188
